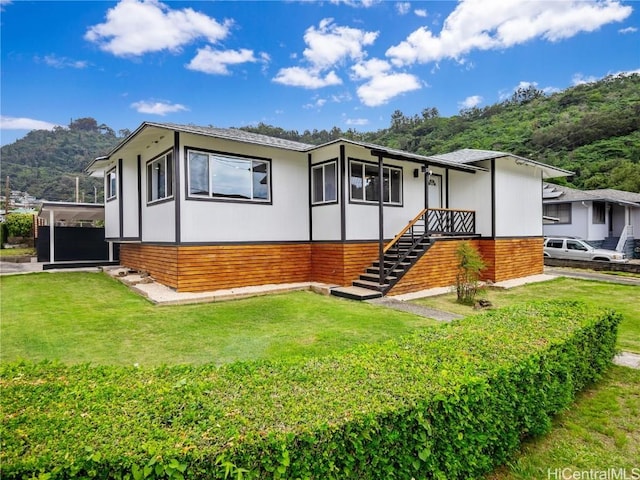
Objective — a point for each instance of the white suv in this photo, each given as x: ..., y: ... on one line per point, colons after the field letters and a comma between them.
x: 576, y: 249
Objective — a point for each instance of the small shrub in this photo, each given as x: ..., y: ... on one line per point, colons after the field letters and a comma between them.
x: 470, y: 264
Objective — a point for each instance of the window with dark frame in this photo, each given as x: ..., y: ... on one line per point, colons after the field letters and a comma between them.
x: 217, y: 176
x: 112, y: 184
x: 561, y: 211
x: 598, y: 212
x: 160, y: 178
x: 364, y: 181
x: 323, y: 183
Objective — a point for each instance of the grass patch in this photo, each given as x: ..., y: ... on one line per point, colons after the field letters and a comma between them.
x: 601, y: 431
x: 16, y: 252
x: 78, y: 317
x: 622, y: 298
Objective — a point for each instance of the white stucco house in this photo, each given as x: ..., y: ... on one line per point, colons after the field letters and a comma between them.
x: 204, y: 208
x: 607, y: 218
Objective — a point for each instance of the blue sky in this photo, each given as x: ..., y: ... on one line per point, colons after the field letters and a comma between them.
x: 295, y: 64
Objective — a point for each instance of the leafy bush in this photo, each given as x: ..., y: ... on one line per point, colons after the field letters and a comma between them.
x: 19, y: 224
x: 450, y: 402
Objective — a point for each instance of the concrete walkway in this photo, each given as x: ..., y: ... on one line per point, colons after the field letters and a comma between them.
x: 588, y: 275
x: 627, y: 359
x: 395, y: 304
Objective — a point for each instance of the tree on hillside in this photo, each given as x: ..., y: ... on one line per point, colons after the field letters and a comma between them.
x: 86, y: 124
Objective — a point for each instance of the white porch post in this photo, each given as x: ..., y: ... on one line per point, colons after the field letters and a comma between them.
x: 52, y: 242
x: 111, y: 251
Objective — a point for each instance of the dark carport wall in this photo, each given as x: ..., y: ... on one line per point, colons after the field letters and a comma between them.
x: 77, y: 236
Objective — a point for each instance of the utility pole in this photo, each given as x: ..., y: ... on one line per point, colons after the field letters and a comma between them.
x: 77, y: 189
x: 7, y: 197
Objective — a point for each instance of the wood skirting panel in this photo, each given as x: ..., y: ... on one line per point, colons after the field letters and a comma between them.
x: 341, y: 263
x: 505, y: 259
x: 205, y: 268
x: 160, y: 261
x: 512, y: 258
x: 436, y: 268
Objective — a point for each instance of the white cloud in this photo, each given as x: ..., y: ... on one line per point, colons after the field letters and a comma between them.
x: 381, y: 83
x: 403, y: 7
x: 306, y: 78
x: 420, y: 12
x: 319, y: 103
x: 357, y: 121
x: 330, y: 44
x: 22, y: 123
x: 157, y: 108
x: 628, y: 30
x: 135, y: 27
x: 4, y: 3
x: 470, y: 102
x: 62, y: 62
x: 356, y: 3
x: 327, y: 46
x: 216, y: 62
x: 580, y: 79
x: 482, y: 25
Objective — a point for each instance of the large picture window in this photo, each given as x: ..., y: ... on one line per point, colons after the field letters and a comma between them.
x: 561, y: 211
x: 364, y: 180
x: 112, y: 184
x: 323, y: 183
x: 160, y: 178
x: 213, y: 175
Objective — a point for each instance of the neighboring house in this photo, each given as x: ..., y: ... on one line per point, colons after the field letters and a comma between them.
x: 606, y: 218
x: 206, y: 208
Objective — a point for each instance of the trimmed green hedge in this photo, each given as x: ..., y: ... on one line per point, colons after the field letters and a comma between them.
x: 450, y: 402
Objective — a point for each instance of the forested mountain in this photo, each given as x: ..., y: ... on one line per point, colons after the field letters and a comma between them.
x: 592, y: 129
x: 46, y: 163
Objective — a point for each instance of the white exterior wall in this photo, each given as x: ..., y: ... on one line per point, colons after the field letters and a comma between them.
x: 619, y: 219
x: 111, y: 212
x: 518, y: 199
x: 327, y: 218
x: 579, y: 226
x: 285, y: 219
x: 595, y: 231
x: 635, y: 222
x: 129, y: 197
x: 158, y: 220
x: 362, y: 219
x: 468, y: 191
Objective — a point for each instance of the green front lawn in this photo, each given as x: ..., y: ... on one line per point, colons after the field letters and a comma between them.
x: 601, y: 431
x: 89, y: 317
x: 622, y: 298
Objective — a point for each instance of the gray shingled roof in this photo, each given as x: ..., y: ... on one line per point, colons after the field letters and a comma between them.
x: 470, y: 155
x: 602, y: 195
x: 426, y: 159
x: 619, y: 195
x: 237, y: 135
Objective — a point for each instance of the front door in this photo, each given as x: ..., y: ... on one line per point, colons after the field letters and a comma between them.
x: 434, y: 189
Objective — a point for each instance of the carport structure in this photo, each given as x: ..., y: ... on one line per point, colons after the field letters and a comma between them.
x: 70, y: 236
